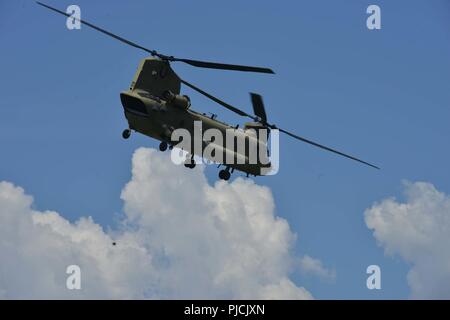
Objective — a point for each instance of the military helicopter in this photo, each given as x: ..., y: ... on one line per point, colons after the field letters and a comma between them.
x: 154, y: 107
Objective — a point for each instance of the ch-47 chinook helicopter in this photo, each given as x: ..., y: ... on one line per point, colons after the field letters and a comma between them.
x: 154, y: 107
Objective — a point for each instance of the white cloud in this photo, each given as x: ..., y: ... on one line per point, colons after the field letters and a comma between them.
x: 419, y: 231
x: 181, y: 238
x: 312, y: 266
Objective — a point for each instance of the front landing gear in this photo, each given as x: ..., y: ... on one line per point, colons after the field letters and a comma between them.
x: 163, y: 146
x: 126, y: 133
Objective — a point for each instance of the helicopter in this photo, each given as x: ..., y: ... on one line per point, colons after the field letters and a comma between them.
x: 153, y: 106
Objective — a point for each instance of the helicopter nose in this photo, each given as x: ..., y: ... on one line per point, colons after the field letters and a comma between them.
x: 133, y: 104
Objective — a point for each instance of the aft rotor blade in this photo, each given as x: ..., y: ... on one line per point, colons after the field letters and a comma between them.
x: 223, y: 66
x: 258, y: 107
x: 152, y: 52
x: 325, y: 147
x: 222, y: 103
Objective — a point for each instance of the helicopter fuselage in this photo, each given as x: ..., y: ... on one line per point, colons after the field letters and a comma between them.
x: 158, y: 119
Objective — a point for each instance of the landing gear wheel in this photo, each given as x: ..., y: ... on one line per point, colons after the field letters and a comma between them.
x: 224, y: 175
x: 163, y: 146
x: 126, y: 133
x: 190, y: 164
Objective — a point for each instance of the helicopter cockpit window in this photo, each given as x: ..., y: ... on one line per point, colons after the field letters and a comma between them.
x: 133, y: 104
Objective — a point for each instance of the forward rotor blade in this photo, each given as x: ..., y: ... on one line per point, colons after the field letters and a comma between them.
x: 195, y: 63
x: 223, y: 66
x: 325, y: 147
x: 222, y: 103
x: 258, y: 107
x: 152, y: 52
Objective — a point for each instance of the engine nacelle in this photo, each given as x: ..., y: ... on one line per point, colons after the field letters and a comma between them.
x: 176, y: 100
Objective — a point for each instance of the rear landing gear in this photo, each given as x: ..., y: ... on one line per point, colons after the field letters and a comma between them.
x: 225, y: 174
x: 163, y: 146
x: 190, y: 163
x: 126, y: 133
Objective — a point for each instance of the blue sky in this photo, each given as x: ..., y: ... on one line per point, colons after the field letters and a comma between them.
x: 380, y: 95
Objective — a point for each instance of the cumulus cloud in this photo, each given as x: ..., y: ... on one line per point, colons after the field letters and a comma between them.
x: 180, y: 238
x: 312, y: 266
x: 419, y: 231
